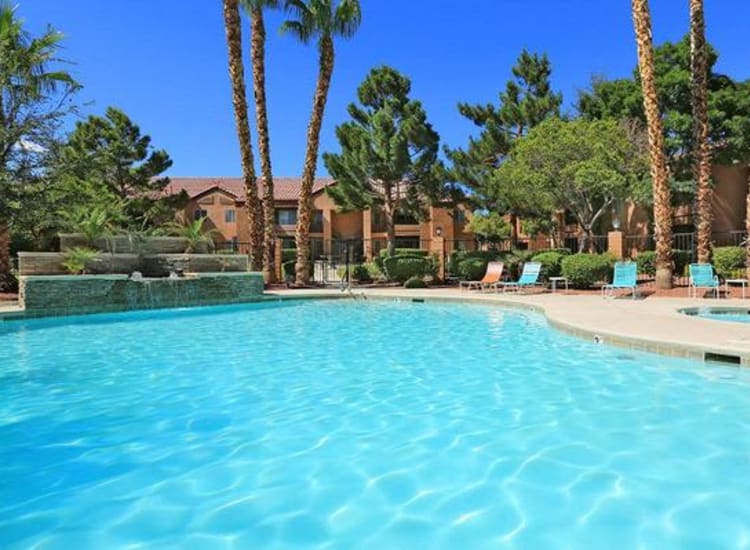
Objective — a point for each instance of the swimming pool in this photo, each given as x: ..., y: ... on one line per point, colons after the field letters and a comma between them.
x: 343, y: 424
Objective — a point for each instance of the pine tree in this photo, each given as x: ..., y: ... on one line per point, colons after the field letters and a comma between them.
x: 527, y: 100
x: 389, y: 153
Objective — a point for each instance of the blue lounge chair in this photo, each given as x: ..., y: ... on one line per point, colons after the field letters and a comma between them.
x: 626, y: 276
x: 703, y: 276
x: 529, y: 277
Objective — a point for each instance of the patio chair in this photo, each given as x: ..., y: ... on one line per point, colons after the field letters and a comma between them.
x: 702, y: 276
x: 529, y: 277
x: 490, y: 280
x: 626, y: 276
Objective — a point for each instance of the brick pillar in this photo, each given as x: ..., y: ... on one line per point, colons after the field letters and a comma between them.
x: 616, y: 244
x: 437, y: 246
x: 327, y: 231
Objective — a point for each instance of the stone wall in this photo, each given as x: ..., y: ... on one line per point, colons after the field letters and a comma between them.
x: 157, y: 265
x: 70, y: 294
x: 126, y: 244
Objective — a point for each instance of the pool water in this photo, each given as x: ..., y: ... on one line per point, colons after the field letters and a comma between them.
x: 361, y: 424
x: 733, y: 315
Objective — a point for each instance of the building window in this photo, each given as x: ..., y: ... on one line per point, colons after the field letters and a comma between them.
x: 459, y: 216
x: 230, y: 215
x: 288, y: 242
x: 199, y: 213
x: 407, y: 242
x: 286, y: 216
x: 403, y: 217
x: 317, y: 222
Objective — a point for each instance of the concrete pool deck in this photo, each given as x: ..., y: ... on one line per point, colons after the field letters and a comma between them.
x: 654, y: 324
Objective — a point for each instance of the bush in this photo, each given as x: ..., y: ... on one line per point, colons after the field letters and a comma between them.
x: 681, y: 259
x: 551, y: 263
x: 288, y: 270
x: 415, y: 282
x: 77, y: 260
x: 563, y: 251
x: 374, y: 271
x: 646, y: 262
x: 472, y: 269
x: 728, y: 259
x: 459, y: 256
x: 359, y: 272
x: 288, y: 255
x: 583, y: 270
x: 401, y: 268
x: 401, y: 252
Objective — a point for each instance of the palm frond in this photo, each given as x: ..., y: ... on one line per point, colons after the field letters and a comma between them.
x: 347, y: 18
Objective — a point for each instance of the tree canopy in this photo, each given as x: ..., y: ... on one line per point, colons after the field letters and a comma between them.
x: 728, y: 104
x: 108, y: 160
x: 579, y: 166
x: 527, y: 100
x: 389, y: 152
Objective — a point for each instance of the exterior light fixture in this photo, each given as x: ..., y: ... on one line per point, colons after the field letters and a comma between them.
x: 439, y: 231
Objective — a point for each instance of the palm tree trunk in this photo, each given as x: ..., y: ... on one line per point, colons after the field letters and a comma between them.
x: 659, y: 174
x: 258, y: 54
x: 701, y: 147
x: 304, y: 207
x: 232, y: 26
x: 5, y: 264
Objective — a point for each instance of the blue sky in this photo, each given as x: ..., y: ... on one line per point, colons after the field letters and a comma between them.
x: 164, y: 62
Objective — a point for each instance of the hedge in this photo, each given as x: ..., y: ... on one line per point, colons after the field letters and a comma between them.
x: 471, y: 269
x: 415, y: 282
x: 551, y: 263
x: 401, y: 268
x: 646, y: 261
x: 459, y: 256
x: 728, y: 260
x: 584, y: 270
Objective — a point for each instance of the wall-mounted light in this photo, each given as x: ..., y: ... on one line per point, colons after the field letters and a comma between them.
x: 439, y: 231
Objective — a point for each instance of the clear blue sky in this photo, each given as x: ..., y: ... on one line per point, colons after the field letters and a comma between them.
x: 165, y: 64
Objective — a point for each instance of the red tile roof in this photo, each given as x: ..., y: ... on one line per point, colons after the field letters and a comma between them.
x: 284, y: 189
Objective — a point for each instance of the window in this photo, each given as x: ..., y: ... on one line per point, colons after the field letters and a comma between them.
x: 405, y: 218
x: 229, y: 215
x: 199, y: 213
x: 459, y: 216
x: 407, y: 242
x: 317, y: 222
x: 288, y: 242
x: 286, y: 216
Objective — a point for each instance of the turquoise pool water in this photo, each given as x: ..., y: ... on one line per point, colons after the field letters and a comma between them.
x: 733, y: 315
x: 361, y: 425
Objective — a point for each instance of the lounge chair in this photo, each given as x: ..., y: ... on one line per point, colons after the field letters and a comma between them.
x: 529, y: 277
x: 626, y: 276
x: 703, y: 276
x: 491, y: 278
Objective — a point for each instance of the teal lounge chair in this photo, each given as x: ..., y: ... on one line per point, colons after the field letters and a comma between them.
x: 626, y: 276
x: 529, y: 277
x: 703, y: 276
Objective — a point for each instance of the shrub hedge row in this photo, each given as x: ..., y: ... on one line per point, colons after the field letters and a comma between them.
x: 584, y: 270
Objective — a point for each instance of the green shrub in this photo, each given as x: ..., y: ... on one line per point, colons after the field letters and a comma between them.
x: 583, y: 270
x: 551, y: 263
x: 681, y: 259
x: 729, y: 258
x: 289, y: 270
x: 472, y: 269
x: 374, y: 271
x: 288, y: 255
x: 402, y: 252
x: 459, y: 256
x: 401, y: 268
x: 415, y: 282
x: 76, y: 259
x: 563, y: 251
x: 359, y: 272
x: 646, y: 262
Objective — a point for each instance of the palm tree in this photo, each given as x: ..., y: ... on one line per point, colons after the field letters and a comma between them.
x: 232, y: 26
x: 257, y: 55
x: 26, y: 88
x: 659, y: 174
x: 701, y: 146
x: 322, y: 20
